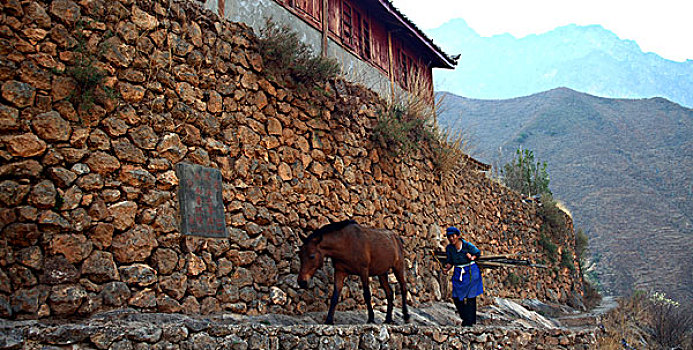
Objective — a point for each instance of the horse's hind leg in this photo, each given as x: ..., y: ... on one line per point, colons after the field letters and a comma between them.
x: 390, y: 297
x: 399, y: 275
x: 367, y: 297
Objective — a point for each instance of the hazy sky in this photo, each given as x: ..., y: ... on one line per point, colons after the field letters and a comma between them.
x: 664, y: 27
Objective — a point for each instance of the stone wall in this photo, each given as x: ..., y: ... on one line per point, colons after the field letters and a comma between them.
x: 180, y: 332
x: 88, y: 190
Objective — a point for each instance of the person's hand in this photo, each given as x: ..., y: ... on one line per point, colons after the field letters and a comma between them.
x: 470, y: 257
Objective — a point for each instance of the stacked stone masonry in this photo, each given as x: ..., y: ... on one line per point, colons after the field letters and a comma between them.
x: 88, y: 189
x: 171, y: 332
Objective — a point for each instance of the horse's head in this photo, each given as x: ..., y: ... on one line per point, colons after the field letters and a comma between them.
x: 311, y: 260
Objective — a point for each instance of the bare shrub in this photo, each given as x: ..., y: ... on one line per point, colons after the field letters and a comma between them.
x: 670, y: 322
x: 643, y: 321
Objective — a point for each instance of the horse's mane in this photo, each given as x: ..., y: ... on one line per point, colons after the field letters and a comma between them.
x: 329, y: 228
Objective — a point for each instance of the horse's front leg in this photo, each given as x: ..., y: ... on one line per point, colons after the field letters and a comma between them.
x: 338, y: 284
x: 367, y: 296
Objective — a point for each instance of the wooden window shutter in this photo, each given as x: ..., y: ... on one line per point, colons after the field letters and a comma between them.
x: 365, y: 39
x: 347, y: 24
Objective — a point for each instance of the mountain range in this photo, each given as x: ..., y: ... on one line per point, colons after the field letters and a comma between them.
x: 623, y: 167
x: 590, y: 59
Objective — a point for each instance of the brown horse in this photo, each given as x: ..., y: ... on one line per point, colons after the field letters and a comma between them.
x: 355, y: 250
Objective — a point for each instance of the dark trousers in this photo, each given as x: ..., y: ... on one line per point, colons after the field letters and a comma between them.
x: 467, y: 310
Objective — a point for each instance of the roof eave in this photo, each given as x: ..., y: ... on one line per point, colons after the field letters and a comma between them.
x: 443, y: 60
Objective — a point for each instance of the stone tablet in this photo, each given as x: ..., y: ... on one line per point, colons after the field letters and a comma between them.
x: 200, y: 201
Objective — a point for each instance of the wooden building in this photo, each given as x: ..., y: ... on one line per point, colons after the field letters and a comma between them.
x: 367, y: 37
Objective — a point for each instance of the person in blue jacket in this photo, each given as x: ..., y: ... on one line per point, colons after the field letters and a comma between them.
x: 466, y: 276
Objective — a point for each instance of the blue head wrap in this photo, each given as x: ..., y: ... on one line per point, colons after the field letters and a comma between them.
x: 452, y: 230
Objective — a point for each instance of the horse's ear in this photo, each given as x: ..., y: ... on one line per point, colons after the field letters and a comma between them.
x: 316, y: 239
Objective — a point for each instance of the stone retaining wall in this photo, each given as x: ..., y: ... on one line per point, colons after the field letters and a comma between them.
x: 88, y: 189
x: 184, y: 333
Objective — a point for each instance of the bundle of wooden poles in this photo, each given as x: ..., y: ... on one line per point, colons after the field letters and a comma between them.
x: 491, y: 261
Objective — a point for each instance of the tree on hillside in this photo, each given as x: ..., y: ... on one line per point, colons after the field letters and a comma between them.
x: 525, y: 175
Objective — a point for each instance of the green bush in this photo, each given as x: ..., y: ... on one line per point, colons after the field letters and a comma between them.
x: 567, y: 260
x: 525, y: 175
x: 513, y: 279
x: 553, y: 219
x: 581, y: 244
x: 550, y: 248
x: 285, y: 55
x: 554, y: 228
x: 87, y: 76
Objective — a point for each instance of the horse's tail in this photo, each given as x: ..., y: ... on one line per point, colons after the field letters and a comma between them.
x: 400, y: 243
x: 400, y: 275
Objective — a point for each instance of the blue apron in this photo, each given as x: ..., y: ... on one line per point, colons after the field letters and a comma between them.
x: 470, y: 285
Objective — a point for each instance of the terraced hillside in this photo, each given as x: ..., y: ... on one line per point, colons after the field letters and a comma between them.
x: 623, y: 167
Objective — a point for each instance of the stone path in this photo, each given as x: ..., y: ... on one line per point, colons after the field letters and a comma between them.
x: 503, y: 313
x: 592, y: 317
x: 506, y: 323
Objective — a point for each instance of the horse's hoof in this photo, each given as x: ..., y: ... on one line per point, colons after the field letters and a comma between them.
x: 370, y: 321
x: 390, y: 321
x: 329, y: 322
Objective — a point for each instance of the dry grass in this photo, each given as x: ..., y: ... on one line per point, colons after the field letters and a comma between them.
x: 624, y: 325
x: 455, y: 143
x: 591, y: 298
x: 400, y: 132
x: 418, y: 100
x: 410, y: 121
x: 564, y: 208
x: 407, y: 122
x: 286, y: 56
x: 645, y: 322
